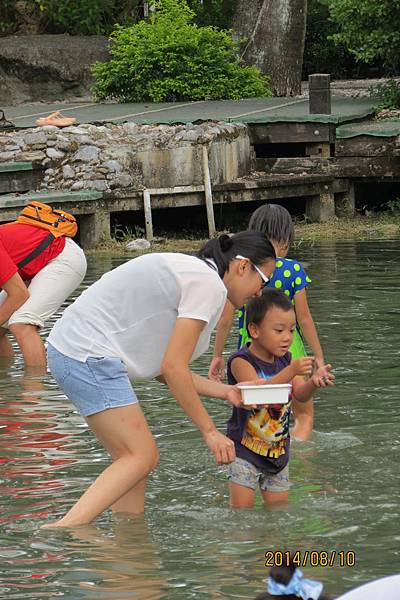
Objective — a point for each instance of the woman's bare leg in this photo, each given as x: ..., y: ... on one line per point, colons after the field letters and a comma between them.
x: 30, y: 343
x: 303, y: 413
x: 5, y: 344
x: 125, y: 435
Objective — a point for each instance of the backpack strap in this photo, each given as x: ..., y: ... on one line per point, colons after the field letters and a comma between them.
x: 45, y: 243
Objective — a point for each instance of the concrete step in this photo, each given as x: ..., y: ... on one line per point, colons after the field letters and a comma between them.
x: 14, y: 202
x: 19, y: 176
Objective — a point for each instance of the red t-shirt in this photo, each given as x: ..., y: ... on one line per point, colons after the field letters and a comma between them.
x: 17, y: 240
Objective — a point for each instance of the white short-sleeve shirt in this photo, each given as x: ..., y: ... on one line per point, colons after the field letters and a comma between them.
x: 131, y: 311
x: 387, y: 588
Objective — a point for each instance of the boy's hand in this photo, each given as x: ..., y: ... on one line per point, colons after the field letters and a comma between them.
x: 216, y: 372
x: 323, y: 377
x: 320, y: 364
x: 303, y: 366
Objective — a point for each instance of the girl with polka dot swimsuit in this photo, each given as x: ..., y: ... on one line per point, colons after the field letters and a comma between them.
x: 290, y: 277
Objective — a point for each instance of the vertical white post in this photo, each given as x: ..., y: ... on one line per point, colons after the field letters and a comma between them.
x: 208, y: 193
x: 147, y: 215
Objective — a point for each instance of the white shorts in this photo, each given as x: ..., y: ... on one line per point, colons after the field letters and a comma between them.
x: 51, y: 286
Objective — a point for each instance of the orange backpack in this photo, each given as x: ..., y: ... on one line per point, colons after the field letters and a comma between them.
x: 59, y: 223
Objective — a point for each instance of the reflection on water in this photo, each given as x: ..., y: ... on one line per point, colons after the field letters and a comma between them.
x: 346, y: 480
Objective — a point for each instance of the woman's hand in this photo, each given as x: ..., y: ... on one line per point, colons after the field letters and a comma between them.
x: 216, y: 372
x: 234, y: 395
x: 221, y: 446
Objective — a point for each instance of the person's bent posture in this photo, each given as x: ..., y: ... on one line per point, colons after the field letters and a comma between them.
x: 37, y: 273
x: 150, y: 317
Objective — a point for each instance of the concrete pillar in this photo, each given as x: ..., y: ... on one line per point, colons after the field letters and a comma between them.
x: 319, y: 89
x: 320, y: 208
x: 345, y: 205
x: 94, y: 228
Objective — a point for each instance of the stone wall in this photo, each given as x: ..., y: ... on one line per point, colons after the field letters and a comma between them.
x: 111, y: 158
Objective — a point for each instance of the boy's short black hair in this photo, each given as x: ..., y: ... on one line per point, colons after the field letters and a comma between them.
x: 258, y: 307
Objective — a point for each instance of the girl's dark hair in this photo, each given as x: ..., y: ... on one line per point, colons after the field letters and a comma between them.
x: 258, y: 307
x: 274, y: 221
x: 283, y: 575
x: 250, y: 244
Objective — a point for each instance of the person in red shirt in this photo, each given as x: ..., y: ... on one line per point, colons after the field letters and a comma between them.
x: 31, y: 293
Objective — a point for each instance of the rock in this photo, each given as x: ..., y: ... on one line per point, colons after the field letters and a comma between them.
x: 55, y: 154
x: 78, y: 185
x: 5, y: 156
x: 86, y: 154
x: 48, y: 67
x: 35, y: 138
x: 130, y: 127
x: 98, y: 184
x: 139, y: 244
x: 113, y: 165
x: 122, y: 180
x: 68, y: 172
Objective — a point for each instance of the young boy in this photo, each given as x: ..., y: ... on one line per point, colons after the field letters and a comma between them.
x: 262, y: 436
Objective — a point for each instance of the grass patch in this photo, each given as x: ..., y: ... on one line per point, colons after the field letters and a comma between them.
x: 377, y: 226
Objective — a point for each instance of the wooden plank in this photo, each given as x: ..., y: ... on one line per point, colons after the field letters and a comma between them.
x: 290, y: 133
x: 208, y: 193
x: 365, y: 145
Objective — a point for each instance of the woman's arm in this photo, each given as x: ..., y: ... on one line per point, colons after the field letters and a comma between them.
x: 17, y: 295
x: 307, y: 326
x: 217, y: 366
x: 175, y: 370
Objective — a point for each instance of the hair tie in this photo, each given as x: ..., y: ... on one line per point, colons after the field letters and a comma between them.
x: 306, y: 589
x: 225, y: 242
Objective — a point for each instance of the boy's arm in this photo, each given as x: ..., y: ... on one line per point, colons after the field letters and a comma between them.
x: 242, y: 370
x: 307, y: 326
x: 303, y: 390
x: 217, y: 367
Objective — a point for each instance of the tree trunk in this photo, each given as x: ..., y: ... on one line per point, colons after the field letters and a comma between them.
x: 275, y: 32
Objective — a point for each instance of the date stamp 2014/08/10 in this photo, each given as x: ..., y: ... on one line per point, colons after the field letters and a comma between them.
x: 310, y: 558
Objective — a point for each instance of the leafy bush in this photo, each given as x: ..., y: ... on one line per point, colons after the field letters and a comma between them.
x: 387, y: 94
x: 168, y: 58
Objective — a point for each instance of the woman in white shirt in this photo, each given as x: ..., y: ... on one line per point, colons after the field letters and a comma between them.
x: 149, y: 318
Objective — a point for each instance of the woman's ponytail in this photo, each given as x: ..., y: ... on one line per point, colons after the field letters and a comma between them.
x: 249, y: 244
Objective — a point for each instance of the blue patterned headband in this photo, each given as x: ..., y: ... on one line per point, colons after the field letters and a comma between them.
x: 306, y: 589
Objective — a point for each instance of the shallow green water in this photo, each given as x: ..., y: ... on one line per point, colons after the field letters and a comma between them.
x: 346, y: 480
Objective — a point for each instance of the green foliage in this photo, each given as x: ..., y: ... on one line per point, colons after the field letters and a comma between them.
x: 218, y: 13
x: 369, y: 29
x: 8, y: 23
x: 88, y: 17
x: 169, y: 58
x: 321, y: 53
x: 393, y: 206
x: 80, y: 17
x: 388, y: 95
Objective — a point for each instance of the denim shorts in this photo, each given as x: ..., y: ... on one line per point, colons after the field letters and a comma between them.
x: 244, y: 473
x: 98, y: 384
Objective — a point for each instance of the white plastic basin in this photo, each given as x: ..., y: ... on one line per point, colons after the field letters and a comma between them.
x: 277, y: 393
